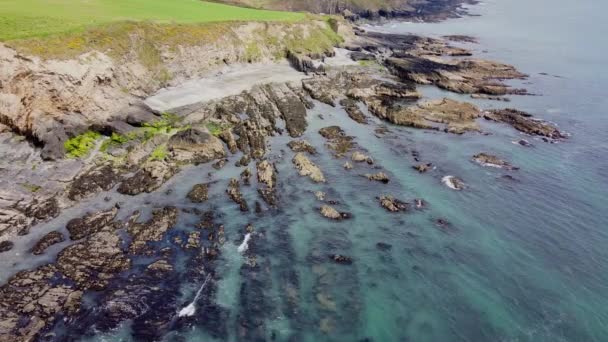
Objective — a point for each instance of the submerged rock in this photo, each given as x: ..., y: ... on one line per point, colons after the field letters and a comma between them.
x: 453, y: 182
x: 384, y: 246
x: 353, y: 111
x: 341, y: 259
x: 492, y: 161
x: 199, y: 193
x: 307, y: 168
x: 153, y: 230
x: 47, y: 241
x: 360, y: 157
x: 422, y: 168
x: 338, y: 141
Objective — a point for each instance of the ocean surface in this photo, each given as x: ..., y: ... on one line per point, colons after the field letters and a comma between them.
x: 523, y: 258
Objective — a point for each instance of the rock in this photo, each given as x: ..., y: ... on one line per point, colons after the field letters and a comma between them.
x: 422, y: 168
x: 266, y: 173
x: 360, y: 157
x: 199, y: 193
x: 338, y: 141
x: 453, y: 182
x: 384, y: 246
x: 228, y: 138
x: 218, y: 165
x: 362, y: 56
x: 461, y: 38
x: 332, y: 213
x: 160, y: 267
x: 347, y: 166
x: 306, y: 168
x: 94, y: 261
x: 420, y: 203
x: 246, y: 177
x: 97, y: 179
x: 152, y: 175
x: 234, y: 192
x: 523, y: 142
x: 341, y: 259
x: 353, y: 111
x: 320, y: 195
x: 302, y: 146
x: 151, y: 231
x: 6, y: 246
x: 524, y: 122
x: 291, y: 106
x: 91, y: 223
x: 492, y: 161
x: 195, y: 146
x: 392, y: 204
x: 47, y: 241
x: 379, y: 177
x: 194, y: 240
x: 302, y: 63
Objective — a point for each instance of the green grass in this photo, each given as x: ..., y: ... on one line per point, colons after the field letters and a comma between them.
x: 216, y: 129
x: 39, y: 18
x: 81, y: 145
x: 159, y: 153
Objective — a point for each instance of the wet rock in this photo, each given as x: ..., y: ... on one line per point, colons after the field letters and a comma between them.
x: 420, y: 204
x: 331, y: 213
x: 152, y: 175
x: 199, y: 193
x: 194, y: 239
x: 341, y: 259
x: 195, y: 146
x: 524, y: 122
x: 461, y: 38
x: 246, y: 176
x: 303, y: 63
x: 379, y: 177
x: 347, y: 166
x: 492, y: 161
x: 97, y: 179
x: 338, y: 141
x: 422, y: 168
x: 453, y: 183
x: 302, y: 146
x: 6, y: 246
x: 320, y: 195
x: 42, y: 210
x: 94, y: 261
x: 228, y: 138
x: 443, y: 224
x: 47, y: 241
x: 523, y: 142
x: 392, y: 204
x: 91, y: 223
x: 307, y: 168
x: 384, y: 246
x: 234, y: 192
x: 353, y: 111
x: 244, y: 161
x: 31, y: 300
x: 360, y: 158
x: 160, y: 266
x: 291, y: 107
x: 266, y: 173
x: 153, y: 230
x: 218, y: 165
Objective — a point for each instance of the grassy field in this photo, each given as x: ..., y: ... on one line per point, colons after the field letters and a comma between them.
x: 39, y: 18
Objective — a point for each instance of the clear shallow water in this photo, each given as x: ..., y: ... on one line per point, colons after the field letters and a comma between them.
x: 523, y: 260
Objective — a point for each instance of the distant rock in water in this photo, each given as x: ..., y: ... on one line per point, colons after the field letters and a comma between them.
x: 199, y: 193
x: 524, y: 122
x: 453, y: 182
x: 331, y: 213
x: 392, y: 204
x: 492, y: 161
x: 307, y: 168
x: 379, y: 177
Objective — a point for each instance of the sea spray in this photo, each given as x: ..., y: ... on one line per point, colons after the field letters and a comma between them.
x: 245, y: 245
x: 191, y: 308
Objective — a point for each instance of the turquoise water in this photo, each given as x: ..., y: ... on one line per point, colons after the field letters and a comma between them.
x: 522, y: 260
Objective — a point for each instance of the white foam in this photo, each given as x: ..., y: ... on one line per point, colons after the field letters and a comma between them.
x: 245, y: 245
x: 449, y: 182
x: 190, y: 309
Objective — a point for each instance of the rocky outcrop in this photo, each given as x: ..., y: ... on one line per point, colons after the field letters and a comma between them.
x: 307, y: 168
x: 392, y: 204
x: 337, y: 140
x: 422, y: 168
x: 341, y: 259
x: 359, y: 157
x: 267, y: 179
x: 199, y: 193
x: 378, y: 177
x: 150, y: 177
x: 331, y: 213
x: 6, y: 246
x: 490, y: 160
x: 453, y: 183
x: 235, y: 194
x: 151, y: 231
x: 302, y: 146
x: 47, y: 241
x: 97, y: 179
x: 91, y: 223
x: 524, y: 122
x: 353, y: 111
x: 195, y: 146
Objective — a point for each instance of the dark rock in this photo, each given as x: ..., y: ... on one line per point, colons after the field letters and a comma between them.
x: 422, y: 168
x: 199, y: 193
x: 302, y: 146
x: 152, y: 175
x: 153, y: 230
x: 6, y: 246
x: 234, y: 192
x: 47, y: 241
x: 362, y: 56
x: 353, y: 111
x: 384, y: 246
x: 195, y: 146
x: 102, y: 178
x: 90, y: 223
x: 379, y: 177
x: 341, y: 259
x: 392, y: 204
x: 524, y: 122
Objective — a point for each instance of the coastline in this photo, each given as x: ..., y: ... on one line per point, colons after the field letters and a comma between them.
x: 409, y: 60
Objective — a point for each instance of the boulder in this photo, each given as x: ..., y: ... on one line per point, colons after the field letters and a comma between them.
x: 307, y: 168
x: 195, y: 146
x: 199, y: 193
x: 47, y: 241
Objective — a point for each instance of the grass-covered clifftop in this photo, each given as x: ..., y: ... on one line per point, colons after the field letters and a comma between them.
x: 38, y: 18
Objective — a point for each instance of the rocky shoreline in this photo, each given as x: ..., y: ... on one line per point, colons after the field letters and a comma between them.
x: 143, y: 151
